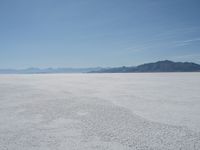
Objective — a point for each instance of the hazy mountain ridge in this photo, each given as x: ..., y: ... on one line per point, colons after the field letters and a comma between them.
x: 48, y: 70
x: 160, y: 66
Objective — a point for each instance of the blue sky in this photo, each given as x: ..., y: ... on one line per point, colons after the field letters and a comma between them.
x: 88, y: 33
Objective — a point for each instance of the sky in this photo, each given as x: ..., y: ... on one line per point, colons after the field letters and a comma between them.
x: 91, y: 33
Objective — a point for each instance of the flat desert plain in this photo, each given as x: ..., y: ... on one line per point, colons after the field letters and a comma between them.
x: 139, y: 111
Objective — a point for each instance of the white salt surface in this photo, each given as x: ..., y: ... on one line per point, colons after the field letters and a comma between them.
x: 158, y: 111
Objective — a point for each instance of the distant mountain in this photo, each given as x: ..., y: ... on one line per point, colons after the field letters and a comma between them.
x: 160, y: 66
x: 48, y: 70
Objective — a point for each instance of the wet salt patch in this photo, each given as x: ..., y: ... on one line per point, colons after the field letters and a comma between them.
x: 115, y: 124
x: 94, y: 144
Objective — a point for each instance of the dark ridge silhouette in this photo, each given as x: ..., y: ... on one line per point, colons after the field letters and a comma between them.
x: 160, y: 66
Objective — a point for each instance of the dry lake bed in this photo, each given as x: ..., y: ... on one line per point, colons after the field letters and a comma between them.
x: 139, y: 111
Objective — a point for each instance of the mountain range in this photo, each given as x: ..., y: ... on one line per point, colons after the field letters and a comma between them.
x: 48, y: 70
x: 160, y: 66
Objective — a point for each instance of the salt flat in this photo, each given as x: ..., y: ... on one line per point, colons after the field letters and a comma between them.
x: 140, y: 111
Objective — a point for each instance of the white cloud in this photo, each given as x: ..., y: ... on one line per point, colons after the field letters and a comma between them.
x: 187, y: 42
x: 188, y: 57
